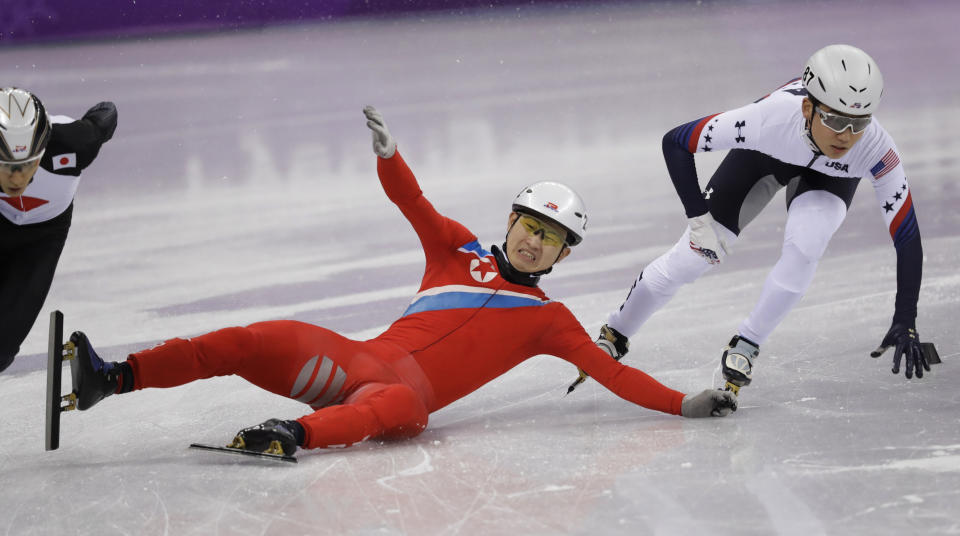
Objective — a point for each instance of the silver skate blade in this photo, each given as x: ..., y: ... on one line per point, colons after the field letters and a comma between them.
x: 244, y: 452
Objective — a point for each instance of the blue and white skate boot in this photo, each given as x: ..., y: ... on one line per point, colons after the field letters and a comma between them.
x: 737, y: 362
x: 93, y: 379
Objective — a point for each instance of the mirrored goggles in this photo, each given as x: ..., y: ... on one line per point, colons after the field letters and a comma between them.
x: 838, y: 123
x: 547, y: 235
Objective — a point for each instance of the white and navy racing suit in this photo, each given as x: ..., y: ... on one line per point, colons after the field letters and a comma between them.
x: 769, y: 148
x: 34, y: 225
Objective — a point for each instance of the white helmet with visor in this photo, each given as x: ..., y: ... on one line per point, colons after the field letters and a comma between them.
x: 847, y: 80
x: 557, y: 203
x: 24, y: 126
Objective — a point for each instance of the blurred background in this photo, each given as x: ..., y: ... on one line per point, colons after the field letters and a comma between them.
x: 240, y: 186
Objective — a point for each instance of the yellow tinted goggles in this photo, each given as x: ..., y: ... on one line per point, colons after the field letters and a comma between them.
x: 547, y: 235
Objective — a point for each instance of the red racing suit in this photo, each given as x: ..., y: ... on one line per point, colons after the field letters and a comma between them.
x: 466, y: 326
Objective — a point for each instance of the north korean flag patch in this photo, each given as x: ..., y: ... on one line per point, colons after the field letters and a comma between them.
x: 66, y: 160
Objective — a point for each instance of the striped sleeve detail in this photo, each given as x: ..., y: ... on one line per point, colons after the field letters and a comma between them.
x: 688, y: 135
x: 904, y: 226
x: 466, y: 297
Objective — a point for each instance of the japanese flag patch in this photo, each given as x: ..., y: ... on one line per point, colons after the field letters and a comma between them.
x: 67, y: 160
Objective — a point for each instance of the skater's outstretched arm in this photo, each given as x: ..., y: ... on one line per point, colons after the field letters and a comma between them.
x: 401, y: 187
x: 568, y: 340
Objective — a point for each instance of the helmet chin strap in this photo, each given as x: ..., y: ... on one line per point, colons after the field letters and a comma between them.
x: 511, y: 274
x: 808, y: 137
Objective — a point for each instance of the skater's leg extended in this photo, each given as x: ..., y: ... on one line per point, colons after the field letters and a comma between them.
x: 175, y: 362
x: 659, y: 282
x: 738, y: 190
x: 179, y: 361
x: 812, y: 220
x: 268, y: 354
x: 373, y: 411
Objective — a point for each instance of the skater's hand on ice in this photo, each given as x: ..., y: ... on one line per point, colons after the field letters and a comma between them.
x: 907, y: 344
x: 705, y: 241
x: 383, y: 143
x: 709, y: 403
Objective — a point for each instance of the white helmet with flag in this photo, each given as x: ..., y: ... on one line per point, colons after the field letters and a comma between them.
x: 557, y: 203
x: 844, y: 78
x: 24, y: 126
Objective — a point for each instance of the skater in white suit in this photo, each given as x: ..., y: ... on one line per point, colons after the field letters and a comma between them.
x: 817, y: 136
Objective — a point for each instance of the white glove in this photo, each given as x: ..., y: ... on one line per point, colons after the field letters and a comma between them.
x: 709, y: 403
x: 383, y: 143
x: 705, y: 241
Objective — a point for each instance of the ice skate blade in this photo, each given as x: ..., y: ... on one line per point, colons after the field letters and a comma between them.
x: 54, y: 399
x: 249, y: 453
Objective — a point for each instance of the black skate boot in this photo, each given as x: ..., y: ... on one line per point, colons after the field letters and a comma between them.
x: 272, y: 437
x: 737, y: 362
x: 613, y: 342
x: 93, y: 379
x: 610, y: 341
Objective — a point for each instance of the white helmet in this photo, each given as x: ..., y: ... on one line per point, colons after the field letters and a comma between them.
x: 24, y: 126
x: 844, y: 78
x: 557, y: 203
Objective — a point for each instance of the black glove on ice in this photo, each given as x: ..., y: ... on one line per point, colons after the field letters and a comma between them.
x: 904, y: 337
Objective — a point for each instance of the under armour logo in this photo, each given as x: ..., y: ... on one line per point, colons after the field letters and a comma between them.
x: 707, y: 193
x: 484, y: 274
x: 739, y: 125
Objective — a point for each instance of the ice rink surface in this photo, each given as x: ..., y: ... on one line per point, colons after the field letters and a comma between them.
x: 240, y: 187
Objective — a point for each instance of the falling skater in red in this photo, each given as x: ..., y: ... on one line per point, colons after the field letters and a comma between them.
x: 477, y: 314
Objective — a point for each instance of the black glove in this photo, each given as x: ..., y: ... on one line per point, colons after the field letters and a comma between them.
x: 104, y: 116
x: 907, y: 343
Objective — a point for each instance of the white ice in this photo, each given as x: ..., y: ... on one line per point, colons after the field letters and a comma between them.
x: 241, y: 187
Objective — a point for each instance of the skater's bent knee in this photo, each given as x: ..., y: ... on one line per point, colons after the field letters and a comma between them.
x: 805, y: 251
x: 400, y: 412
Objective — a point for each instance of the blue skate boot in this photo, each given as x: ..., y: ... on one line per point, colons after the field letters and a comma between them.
x: 93, y: 379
